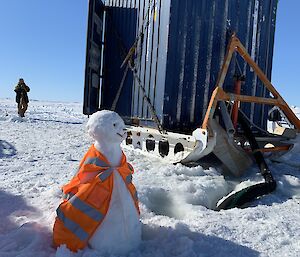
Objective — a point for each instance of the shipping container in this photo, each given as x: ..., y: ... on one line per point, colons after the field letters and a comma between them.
x: 181, y: 45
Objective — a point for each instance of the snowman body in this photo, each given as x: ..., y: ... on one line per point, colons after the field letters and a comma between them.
x: 120, y: 231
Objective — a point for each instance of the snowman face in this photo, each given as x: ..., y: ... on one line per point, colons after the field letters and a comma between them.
x: 107, y: 126
x: 114, y: 129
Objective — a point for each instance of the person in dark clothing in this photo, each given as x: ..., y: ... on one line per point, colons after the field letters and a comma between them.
x: 21, y: 90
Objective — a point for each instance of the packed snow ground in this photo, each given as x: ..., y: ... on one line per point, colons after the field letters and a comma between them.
x: 40, y: 152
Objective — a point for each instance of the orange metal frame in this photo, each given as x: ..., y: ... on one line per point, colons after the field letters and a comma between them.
x: 220, y: 95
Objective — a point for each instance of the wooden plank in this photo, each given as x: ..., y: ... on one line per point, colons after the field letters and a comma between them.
x: 250, y: 99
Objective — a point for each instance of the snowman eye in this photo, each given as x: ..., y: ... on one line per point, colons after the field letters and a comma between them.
x: 114, y: 124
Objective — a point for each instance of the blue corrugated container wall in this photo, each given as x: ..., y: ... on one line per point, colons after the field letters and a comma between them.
x: 180, y: 54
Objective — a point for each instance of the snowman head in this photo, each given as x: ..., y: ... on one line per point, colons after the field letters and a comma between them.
x: 107, y: 127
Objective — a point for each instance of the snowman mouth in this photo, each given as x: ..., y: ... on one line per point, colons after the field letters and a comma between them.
x: 120, y: 135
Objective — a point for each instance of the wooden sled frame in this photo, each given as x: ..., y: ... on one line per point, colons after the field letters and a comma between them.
x: 220, y: 95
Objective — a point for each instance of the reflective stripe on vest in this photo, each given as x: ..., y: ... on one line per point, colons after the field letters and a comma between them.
x: 129, y: 179
x: 72, y: 226
x: 105, y: 174
x: 96, y: 161
x: 83, y: 207
x: 86, y: 209
x: 135, y: 196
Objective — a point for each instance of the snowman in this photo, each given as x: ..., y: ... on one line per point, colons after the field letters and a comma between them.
x: 100, y: 209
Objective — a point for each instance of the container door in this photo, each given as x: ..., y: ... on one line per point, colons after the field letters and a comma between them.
x: 94, y: 57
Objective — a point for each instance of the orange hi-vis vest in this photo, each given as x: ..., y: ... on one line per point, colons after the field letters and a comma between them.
x: 86, y: 204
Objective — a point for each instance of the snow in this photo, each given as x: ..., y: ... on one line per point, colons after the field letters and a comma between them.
x: 40, y: 153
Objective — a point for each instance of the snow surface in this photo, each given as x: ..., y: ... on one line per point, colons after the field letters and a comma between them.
x: 40, y: 152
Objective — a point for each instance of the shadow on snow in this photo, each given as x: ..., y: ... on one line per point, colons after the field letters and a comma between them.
x: 6, y: 149
x: 58, y: 121
x: 12, y: 205
x: 29, y: 239
x: 181, y: 241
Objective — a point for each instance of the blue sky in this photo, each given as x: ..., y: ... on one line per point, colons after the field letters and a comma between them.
x: 286, y: 58
x: 44, y: 42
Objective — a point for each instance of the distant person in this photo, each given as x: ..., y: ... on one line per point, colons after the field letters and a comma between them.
x: 21, y: 90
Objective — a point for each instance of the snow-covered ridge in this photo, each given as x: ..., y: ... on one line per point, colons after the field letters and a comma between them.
x: 39, y: 153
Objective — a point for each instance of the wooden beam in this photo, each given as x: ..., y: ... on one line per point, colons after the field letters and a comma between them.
x: 211, y: 107
x: 250, y: 99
